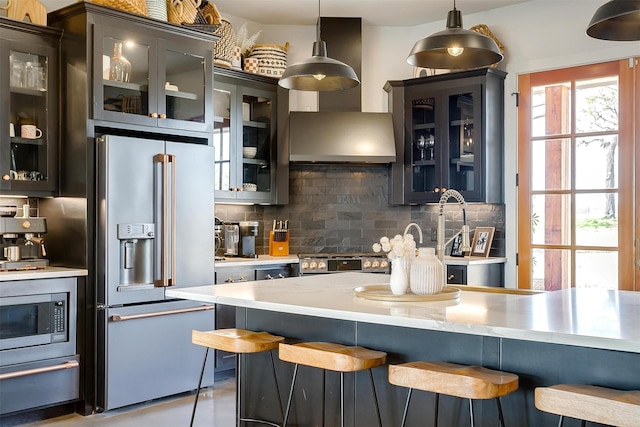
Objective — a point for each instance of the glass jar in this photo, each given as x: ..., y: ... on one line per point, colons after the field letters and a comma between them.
x: 120, y: 67
x: 17, y: 73
x: 34, y: 76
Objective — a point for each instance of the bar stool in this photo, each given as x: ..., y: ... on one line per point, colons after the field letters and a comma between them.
x: 332, y: 357
x: 590, y: 403
x: 241, y: 342
x: 467, y: 382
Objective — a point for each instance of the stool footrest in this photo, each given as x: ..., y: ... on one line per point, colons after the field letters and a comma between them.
x: 591, y: 403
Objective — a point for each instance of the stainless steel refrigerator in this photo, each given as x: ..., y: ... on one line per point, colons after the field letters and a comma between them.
x: 155, y: 229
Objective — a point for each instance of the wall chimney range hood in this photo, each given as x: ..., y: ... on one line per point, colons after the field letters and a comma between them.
x: 341, y: 136
x: 340, y: 132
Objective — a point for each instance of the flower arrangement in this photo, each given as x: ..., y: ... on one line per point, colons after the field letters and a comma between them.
x: 399, y: 246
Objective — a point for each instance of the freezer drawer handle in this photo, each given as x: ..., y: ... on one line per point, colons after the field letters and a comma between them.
x: 122, y: 318
x: 35, y: 371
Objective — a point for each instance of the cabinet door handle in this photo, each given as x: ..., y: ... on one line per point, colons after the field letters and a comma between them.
x: 436, y: 190
x: 6, y: 177
x: 35, y: 371
x: 154, y: 115
x: 163, y: 116
x: 452, y: 276
x: 229, y: 280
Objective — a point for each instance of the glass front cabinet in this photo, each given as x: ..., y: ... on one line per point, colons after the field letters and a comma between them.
x: 143, y: 77
x: 29, y: 109
x: 449, y: 131
x: 244, y: 137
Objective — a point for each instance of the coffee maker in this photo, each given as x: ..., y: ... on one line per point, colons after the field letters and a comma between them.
x: 248, y: 234
x: 231, y: 238
x: 21, y: 244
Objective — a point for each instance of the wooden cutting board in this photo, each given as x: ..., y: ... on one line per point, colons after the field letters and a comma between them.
x: 35, y: 11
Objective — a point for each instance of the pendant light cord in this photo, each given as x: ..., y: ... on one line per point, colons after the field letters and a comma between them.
x: 318, y: 38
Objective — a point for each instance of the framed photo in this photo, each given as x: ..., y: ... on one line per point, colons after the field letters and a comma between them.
x: 482, y: 238
x: 456, y: 247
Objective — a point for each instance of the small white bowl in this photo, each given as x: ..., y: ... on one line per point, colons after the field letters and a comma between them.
x: 249, y: 152
x: 249, y: 187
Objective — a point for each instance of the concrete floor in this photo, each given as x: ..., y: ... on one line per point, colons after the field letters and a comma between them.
x: 216, y: 407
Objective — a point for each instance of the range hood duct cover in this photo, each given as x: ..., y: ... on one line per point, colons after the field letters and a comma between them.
x: 334, y: 137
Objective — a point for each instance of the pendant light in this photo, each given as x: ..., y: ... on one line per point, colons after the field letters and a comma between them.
x: 616, y: 20
x: 319, y: 73
x: 455, y: 47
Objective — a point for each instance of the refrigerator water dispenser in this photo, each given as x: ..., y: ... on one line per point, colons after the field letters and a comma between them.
x: 136, y: 253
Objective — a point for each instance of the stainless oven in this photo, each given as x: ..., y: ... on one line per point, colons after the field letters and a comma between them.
x: 39, y: 365
x: 336, y: 263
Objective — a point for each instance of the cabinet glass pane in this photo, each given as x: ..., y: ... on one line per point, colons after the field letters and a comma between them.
x: 423, y: 143
x: 28, y: 116
x: 256, y: 143
x: 125, y: 74
x: 461, y: 143
x: 185, y: 85
x: 222, y: 138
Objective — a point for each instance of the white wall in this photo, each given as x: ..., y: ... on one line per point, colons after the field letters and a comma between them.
x: 538, y: 35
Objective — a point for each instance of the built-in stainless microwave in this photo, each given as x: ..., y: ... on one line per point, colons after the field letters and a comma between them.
x: 31, y: 320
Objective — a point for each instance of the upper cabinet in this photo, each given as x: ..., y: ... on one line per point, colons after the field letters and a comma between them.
x: 150, y: 80
x: 29, y: 109
x: 136, y: 73
x: 245, y: 138
x: 449, y: 135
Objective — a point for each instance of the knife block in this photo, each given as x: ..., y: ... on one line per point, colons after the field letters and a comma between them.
x: 278, y: 248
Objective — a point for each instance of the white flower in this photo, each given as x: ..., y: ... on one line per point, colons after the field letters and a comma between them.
x: 399, y: 246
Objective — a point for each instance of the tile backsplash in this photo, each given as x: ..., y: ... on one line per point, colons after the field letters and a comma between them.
x: 345, y: 208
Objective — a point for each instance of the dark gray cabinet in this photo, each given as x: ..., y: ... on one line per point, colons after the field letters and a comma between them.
x: 250, y: 114
x: 29, y: 95
x: 476, y: 274
x: 449, y: 135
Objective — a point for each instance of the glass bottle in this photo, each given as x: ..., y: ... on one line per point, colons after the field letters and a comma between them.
x: 120, y: 69
x: 427, y: 273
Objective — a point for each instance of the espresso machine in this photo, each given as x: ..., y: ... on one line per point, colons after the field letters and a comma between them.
x: 21, y: 245
x: 248, y: 235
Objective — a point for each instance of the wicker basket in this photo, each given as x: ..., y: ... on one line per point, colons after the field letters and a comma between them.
x: 272, y: 59
x: 133, y: 6
x: 223, y: 51
x: 184, y: 12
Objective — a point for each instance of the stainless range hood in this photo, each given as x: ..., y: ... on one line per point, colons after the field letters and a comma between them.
x: 344, y: 136
x: 340, y: 132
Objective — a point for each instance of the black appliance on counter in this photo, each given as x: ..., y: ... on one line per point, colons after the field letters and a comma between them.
x: 337, y: 263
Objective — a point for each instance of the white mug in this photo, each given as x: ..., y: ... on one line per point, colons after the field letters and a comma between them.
x: 12, y: 130
x: 30, y: 132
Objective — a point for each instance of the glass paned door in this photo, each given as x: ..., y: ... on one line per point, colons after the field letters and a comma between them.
x: 184, y: 87
x: 462, y: 149
x: 575, y: 213
x: 257, y: 113
x: 28, y: 107
x: 223, y: 103
x: 425, y: 174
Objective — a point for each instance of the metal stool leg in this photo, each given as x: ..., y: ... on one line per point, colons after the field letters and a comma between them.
x: 238, y: 388
x: 500, y: 416
x: 293, y: 383
x: 195, y: 403
x: 375, y: 398
x: 406, y: 408
x: 560, y: 421
x: 275, y: 378
x: 584, y: 423
x: 471, y: 411
x: 240, y: 418
x: 341, y: 399
x: 435, y: 412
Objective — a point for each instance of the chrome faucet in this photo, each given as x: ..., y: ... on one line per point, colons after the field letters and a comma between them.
x: 441, y: 244
x: 413, y: 224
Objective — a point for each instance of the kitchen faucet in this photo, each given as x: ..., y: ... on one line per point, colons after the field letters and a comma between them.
x: 413, y: 224
x: 441, y: 244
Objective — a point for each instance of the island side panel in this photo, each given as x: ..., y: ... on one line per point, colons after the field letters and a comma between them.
x: 537, y: 364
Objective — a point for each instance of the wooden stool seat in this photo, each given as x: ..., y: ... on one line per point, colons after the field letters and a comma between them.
x: 332, y: 357
x: 468, y: 382
x: 236, y: 340
x: 591, y: 403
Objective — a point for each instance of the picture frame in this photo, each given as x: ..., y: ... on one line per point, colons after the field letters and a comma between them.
x: 456, y: 247
x: 482, y: 239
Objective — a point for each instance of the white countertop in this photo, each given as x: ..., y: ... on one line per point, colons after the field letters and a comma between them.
x: 582, y: 317
x: 261, y: 260
x: 43, y: 273
x: 473, y: 260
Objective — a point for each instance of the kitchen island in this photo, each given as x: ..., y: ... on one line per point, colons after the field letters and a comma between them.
x: 586, y: 336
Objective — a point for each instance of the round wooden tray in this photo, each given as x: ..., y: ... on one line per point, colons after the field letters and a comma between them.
x: 383, y: 293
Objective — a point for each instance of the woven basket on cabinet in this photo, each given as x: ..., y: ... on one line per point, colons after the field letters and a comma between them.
x: 223, y: 51
x: 272, y: 59
x: 134, y: 6
x: 184, y: 12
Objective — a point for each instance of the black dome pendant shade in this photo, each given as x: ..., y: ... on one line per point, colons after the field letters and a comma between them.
x: 455, y: 47
x: 616, y: 20
x: 319, y: 73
